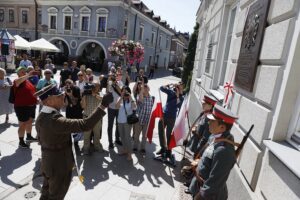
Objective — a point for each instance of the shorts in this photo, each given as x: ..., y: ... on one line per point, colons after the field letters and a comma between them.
x: 24, y: 113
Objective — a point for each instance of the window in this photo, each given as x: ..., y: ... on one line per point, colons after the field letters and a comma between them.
x: 11, y: 16
x: 159, y: 41
x: 68, y: 22
x: 167, y: 43
x: 152, y: 38
x: 85, y: 23
x: 24, y: 16
x: 1, y: 15
x: 227, y: 46
x: 141, y: 35
x: 53, y: 22
x: 39, y: 17
x: 150, y: 61
x: 209, y: 60
x: 125, y: 27
x: 102, y: 24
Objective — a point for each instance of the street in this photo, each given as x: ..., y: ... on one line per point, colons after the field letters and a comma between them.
x: 106, y: 175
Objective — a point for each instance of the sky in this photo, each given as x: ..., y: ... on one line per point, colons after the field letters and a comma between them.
x: 180, y: 14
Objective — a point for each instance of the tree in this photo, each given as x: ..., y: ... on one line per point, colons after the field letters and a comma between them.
x: 189, y: 60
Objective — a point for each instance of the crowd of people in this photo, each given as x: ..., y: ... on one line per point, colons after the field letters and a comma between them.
x: 85, y: 97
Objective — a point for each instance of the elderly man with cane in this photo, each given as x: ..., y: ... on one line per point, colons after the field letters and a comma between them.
x: 54, y: 134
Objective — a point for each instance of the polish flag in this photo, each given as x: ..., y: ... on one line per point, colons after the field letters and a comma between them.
x: 157, y: 112
x: 179, y: 130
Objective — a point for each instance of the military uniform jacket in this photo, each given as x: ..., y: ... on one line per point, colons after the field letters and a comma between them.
x: 198, y: 140
x: 54, y: 134
x: 214, y: 167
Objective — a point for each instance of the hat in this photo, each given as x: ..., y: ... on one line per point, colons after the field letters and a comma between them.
x: 209, y: 99
x: 50, y: 90
x: 220, y: 113
x: 20, y: 68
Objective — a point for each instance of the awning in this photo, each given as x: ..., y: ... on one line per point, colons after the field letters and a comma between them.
x: 21, y: 43
x: 43, y: 45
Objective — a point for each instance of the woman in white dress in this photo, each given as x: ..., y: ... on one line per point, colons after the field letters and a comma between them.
x: 6, y: 108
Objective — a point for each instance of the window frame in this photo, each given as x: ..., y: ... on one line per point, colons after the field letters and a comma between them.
x: 98, y: 19
x: 27, y: 10
x: 159, y: 41
x: 125, y: 27
x: 2, y: 9
x: 141, y: 33
x: 40, y: 15
x: 153, y: 38
x: 9, y: 19
x: 81, y: 21
x: 64, y: 21
x: 52, y: 15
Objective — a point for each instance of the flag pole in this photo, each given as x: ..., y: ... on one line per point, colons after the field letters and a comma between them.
x: 162, y: 121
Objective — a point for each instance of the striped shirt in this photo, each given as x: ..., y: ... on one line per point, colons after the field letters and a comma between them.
x: 144, y: 110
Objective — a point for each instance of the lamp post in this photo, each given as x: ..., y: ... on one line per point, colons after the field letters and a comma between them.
x: 5, y: 41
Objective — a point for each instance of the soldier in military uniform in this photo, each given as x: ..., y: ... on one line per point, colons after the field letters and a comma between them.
x: 54, y: 134
x: 218, y: 159
x: 200, y: 137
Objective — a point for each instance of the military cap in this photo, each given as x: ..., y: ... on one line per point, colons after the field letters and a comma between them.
x: 209, y: 99
x: 50, y: 90
x: 220, y: 113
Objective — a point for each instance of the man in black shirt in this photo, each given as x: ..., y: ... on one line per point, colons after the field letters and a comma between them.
x: 74, y: 71
x: 65, y: 74
x: 141, y: 77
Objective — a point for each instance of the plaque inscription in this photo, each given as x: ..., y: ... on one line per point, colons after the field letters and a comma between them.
x: 251, y: 45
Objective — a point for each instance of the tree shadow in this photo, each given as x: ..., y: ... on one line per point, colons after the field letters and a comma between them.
x: 12, y: 162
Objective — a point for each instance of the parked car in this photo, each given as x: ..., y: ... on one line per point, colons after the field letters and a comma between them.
x: 177, y: 71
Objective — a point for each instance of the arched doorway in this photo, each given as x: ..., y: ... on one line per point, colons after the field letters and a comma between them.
x: 91, y: 53
x: 62, y: 56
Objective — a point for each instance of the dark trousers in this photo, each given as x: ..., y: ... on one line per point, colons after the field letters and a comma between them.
x: 112, y: 114
x: 151, y: 73
x: 57, y: 171
x: 168, y: 124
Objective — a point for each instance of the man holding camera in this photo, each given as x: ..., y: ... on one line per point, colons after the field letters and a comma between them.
x: 174, y: 101
x: 141, y: 77
x: 113, y: 87
x: 54, y: 134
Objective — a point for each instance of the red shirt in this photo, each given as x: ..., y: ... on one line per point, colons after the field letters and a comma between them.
x: 24, y: 94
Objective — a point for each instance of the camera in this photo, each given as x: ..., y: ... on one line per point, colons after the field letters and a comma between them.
x: 87, y: 89
x: 126, y: 94
x: 68, y: 90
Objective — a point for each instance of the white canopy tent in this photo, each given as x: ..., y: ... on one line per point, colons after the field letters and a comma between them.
x: 43, y: 45
x: 21, y: 43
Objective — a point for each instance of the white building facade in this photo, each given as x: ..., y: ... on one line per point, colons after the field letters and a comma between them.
x: 269, y: 165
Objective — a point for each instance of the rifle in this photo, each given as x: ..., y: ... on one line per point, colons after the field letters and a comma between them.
x: 240, y: 147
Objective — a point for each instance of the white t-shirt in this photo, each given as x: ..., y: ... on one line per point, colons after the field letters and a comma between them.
x: 116, y: 96
x: 80, y: 85
x: 122, y: 117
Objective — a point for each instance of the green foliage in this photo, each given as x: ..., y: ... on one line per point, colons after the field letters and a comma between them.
x: 189, y: 61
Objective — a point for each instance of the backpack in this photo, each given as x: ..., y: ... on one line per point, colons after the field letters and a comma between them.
x: 12, y: 96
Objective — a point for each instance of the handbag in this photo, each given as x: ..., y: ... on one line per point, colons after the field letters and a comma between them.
x: 132, y: 118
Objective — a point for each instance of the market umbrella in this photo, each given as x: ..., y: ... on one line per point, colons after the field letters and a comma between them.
x: 43, y: 45
x: 21, y: 43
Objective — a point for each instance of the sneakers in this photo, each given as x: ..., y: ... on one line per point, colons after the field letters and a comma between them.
x: 29, y: 138
x: 23, y: 145
x: 118, y: 142
x: 161, y: 151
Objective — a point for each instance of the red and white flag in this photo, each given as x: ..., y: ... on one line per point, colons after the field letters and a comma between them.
x: 179, y: 130
x: 157, y: 112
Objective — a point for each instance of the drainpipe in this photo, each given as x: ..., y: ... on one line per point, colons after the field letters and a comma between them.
x: 134, y: 29
x: 36, y: 20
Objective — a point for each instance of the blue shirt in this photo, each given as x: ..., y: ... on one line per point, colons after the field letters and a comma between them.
x: 43, y: 82
x: 25, y: 63
x: 172, y: 105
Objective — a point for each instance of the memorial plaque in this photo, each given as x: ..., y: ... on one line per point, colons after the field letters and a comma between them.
x: 251, y: 45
